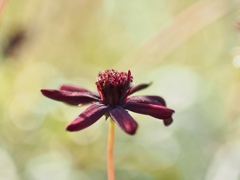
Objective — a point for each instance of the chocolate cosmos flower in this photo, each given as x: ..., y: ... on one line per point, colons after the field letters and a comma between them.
x: 111, y: 100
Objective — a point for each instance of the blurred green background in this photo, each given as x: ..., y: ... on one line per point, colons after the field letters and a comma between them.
x: 189, y: 49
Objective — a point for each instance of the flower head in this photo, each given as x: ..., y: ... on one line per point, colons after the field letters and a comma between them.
x: 111, y: 100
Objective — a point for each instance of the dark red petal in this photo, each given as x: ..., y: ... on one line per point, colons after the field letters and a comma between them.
x: 160, y: 112
x: 147, y: 99
x: 73, y: 88
x: 73, y: 98
x: 168, y: 121
x: 124, y: 120
x: 88, y: 117
x: 138, y: 88
x: 126, y: 87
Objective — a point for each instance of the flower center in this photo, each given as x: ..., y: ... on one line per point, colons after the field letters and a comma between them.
x: 113, y: 85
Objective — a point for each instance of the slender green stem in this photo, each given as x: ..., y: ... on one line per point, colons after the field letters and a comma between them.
x: 110, y: 151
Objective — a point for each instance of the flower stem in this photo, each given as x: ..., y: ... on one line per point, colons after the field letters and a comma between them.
x: 110, y: 151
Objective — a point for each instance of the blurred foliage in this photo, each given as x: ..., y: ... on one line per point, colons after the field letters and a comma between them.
x: 190, y: 51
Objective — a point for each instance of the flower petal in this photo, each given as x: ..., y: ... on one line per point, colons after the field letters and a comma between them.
x: 88, y: 117
x: 147, y: 99
x: 168, y: 121
x: 126, y: 87
x: 73, y: 98
x: 124, y: 120
x: 73, y: 88
x: 160, y: 112
x: 138, y: 88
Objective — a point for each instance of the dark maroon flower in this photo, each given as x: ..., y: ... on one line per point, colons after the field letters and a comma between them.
x: 111, y: 100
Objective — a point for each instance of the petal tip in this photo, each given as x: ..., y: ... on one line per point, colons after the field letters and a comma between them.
x: 70, y: 128
x: 45, y: 92
x: 61, y: 87
x: 132, y: 132
x: 168, y: 121
x: 42, y: 90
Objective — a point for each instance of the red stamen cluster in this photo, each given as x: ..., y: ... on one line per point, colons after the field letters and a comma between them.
x: 111, y: 85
